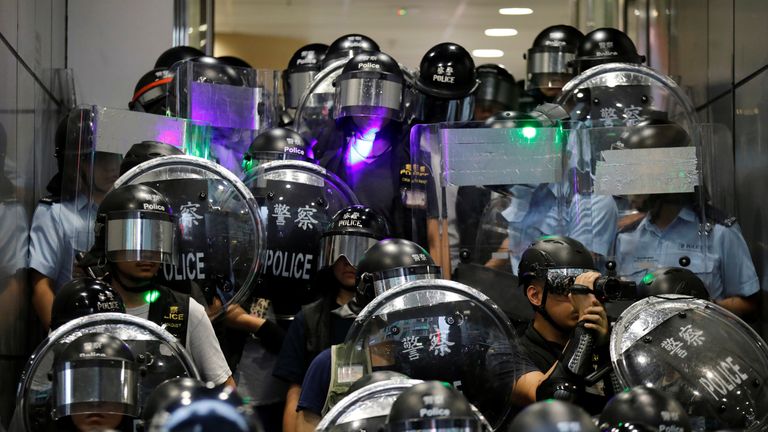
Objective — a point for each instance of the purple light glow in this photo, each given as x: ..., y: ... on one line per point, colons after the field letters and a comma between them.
x: 361, y: 143
x: 224, y: 105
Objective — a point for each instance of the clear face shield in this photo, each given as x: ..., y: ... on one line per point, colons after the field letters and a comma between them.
x: 369, y: 96
x: 548, y: 69
x: 141, y: 236
x: 95, y: 385
x: 295, y: 84
x: 351, y: 247
x: 390, y: 279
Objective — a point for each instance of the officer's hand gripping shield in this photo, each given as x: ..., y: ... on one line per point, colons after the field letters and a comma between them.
x: 439, y: 330
x: 297, y: 200
x: 237, y: 102
x: 97, y: 139
x: 492, y: 191
x: 700, y: 354
x: 220, y: 228
x: 159, y: 356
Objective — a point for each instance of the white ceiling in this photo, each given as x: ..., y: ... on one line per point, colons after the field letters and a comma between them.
x: 406, y: 38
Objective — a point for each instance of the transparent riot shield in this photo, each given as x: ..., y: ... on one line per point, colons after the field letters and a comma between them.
x: 314, y: 114
x: 617, y: 94
x: 699, y: 353
x: 494, y: 191
x: 220, y: 227
x: 366, y: 408
x: 97, y: 139
x: 237, y: 102
x: 298, y: 200
x: 718, y: 166
x: 440, y: 330
x: 158, y: 357
x: 650, y: 177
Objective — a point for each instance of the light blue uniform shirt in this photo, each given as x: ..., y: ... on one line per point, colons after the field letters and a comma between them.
x: 721, y: 260
x: 533, y: 212
x: 58, y: 230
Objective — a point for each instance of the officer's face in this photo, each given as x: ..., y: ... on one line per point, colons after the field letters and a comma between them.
x: 96, y: 422
x: 106, y: 169
x: 344, y: 272
x: 140, y: 270
x: 558, y: 306
x: 638, y: 201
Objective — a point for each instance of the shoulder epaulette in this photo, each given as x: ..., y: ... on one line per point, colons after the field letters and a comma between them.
x: 49, y: 200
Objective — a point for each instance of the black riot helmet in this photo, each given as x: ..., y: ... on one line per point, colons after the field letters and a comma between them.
x: 605, y: 45
x: 654, y: 133
x: 350, y: 233
x: 557, y: 261
x: 135, y: 223
x: 432, y: 406
x: 275, y: 144
x: 391, y: 263
x: 177, y: 54
x: 211, y: 408
x: 168, y: 394
x: 206, y: 70
x: 552, y: 416
x: 305, y: 63
x: 95, y: 373
x: 82, y: 297
x: 146, y: 150
x: 672, y: 280
x: 234, y: 61
x: 550, y: 56
x: 497, y: 90
x: 644, y: 409
x: 370, y: 85
x: 447, y: 71
x: 150, y: 93
x: 445, y: 84
x: 348, y: 46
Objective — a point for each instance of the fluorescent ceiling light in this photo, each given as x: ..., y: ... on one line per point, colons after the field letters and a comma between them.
x: 515, y: 11
x: 488, y: 53
x: 499, y: 32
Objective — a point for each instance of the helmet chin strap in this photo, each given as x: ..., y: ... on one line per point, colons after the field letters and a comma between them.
x: 542, y: 310
x: 136, y: 285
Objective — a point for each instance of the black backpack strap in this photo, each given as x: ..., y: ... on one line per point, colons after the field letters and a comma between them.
x: 171, y: 311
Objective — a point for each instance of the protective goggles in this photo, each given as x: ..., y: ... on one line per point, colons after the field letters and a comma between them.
x: 560, y: 281
x: 141, y: 236
x: 351, y: 247
x: 368, y: 96
x: 105, y: 386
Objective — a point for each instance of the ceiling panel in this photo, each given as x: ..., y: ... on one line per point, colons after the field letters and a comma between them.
x: 407, y: 37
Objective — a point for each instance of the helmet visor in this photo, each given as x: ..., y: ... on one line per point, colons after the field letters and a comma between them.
x: 548, y: 69
x: 561, y: 280
x: 96, y: 386
x: 296, y: 84
x: 430, y: 109
x: 390, y: 279
x: 141, y: 236
x: 351, y: 247
x: 369, y: 96
x: 441, y: 424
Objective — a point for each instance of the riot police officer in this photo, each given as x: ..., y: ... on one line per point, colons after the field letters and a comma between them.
x: 497, y: 91
x: 432, y: 405
x: 133, y: 263
x: 105, y: 366
x: 549, y: 270
x: 552, y: 416
x: 548, y: 61
x: 644, y: 409
x: 326, y: 321
x: 387, y: 264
